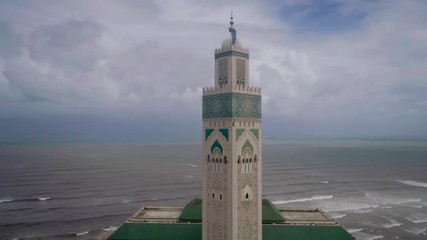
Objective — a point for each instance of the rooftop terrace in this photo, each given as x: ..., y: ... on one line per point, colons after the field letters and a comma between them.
x: 161, y: 223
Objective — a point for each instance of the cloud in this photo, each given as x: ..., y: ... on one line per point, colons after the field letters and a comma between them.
x: 153, y: 58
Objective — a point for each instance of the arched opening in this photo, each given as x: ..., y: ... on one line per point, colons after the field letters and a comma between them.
x: 247, y: 195
x: 213, y: 195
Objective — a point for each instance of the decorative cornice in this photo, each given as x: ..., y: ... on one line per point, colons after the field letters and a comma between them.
x: 228, y: 88
x: 231, y: 53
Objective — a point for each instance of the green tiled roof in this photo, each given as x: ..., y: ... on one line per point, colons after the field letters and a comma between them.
x: 192, y: 212
x: 304, y: 232
x: 158, y: 231
x: 193, y: 231
x: 189, y: 227
x: 270, y: 214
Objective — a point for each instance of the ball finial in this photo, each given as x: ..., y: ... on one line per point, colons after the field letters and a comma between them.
x: 232, y: 29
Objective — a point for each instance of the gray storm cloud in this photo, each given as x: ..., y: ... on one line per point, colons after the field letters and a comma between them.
x: 151, y: 60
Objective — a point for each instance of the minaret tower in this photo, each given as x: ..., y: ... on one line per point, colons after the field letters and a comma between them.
x: 232, y: 148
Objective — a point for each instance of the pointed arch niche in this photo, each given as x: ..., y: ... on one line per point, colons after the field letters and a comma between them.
x: 248, y: 148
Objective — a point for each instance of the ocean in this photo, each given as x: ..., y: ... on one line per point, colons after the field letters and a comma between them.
x: 375, y: 189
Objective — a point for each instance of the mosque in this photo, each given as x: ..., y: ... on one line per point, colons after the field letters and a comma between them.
x: 231, y: 207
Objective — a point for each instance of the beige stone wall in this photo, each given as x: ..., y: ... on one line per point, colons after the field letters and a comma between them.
x: 232, y: 191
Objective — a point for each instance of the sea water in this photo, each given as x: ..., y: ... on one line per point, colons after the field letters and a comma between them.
x: 375, y: 189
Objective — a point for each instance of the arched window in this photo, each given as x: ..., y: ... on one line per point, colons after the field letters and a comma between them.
x: 220, y: 197
x: 213, y: 195
x: 225, y: 159
x: 247, y: 195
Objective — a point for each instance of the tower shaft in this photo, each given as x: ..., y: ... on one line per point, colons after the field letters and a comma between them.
x: 232, y: 149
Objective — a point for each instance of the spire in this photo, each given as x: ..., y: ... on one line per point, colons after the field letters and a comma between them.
x: 232, y: 30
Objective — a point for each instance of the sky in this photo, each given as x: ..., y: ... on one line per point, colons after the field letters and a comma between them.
x: 123, y: 70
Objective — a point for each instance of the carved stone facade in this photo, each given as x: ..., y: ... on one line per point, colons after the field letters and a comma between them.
x: 232, y: 149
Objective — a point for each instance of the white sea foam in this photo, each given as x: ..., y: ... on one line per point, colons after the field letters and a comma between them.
x: 325, y: 182
x: 316, y: 197
x: 82, y: 233
x: 338, y: 216
x: 44, y: 198
x: 362, y: 210
x: 392, y: 223
x: 414, y: 206
x: 417, y: 230
x: 364, y: 236
x: 6, y: 200
x: 350, y: 207
x: 353, y: 230
x: 413, y: 183
x: 110, y: 228
x: 192, y: 165
x: 417, y: 220
x: 389, y: 199
x: 373, y: 237
x: 126, y: 201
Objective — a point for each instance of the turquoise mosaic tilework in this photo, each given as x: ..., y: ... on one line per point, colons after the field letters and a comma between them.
x: 232, y: 105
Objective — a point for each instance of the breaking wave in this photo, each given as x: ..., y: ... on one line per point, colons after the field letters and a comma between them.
x: 192, y: 165
x: 82, y: 233
x: 44, y: 198
x: 363, y: 210
x: 393, y: 223
x: 351, y: 207
x: 316, y: 197
x: 110, y: 228
x: 364, y: 236
x: 417, y: 230
x: 413, y: 183
x: 6, y: 200
x: 24, y: 199
x: 417, y: 219
x: 354, y: 230
x: 338, y: 216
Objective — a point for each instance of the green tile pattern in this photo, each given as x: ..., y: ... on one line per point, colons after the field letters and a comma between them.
x: 247, y: 145
x: 239, y: 133
x: 216, y: 144
x: 255, y: 132
x: 224, y: 132
x: 208, y: 132
x: 232, y: 105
